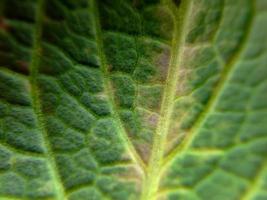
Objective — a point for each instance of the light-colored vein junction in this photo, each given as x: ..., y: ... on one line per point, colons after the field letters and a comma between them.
x: 151, y: 172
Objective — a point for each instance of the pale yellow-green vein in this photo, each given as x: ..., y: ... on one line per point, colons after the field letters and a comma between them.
x: 181, y: 18
x: 224, y: 78
x: 34, y: 66
x: 109, y: 92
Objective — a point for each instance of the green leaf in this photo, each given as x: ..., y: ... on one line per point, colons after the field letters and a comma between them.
x: 133, y: 99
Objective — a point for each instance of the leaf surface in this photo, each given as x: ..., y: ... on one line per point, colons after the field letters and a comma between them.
x: 141, y: 99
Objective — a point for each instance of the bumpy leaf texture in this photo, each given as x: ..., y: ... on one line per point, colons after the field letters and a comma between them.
x: 133, y: 99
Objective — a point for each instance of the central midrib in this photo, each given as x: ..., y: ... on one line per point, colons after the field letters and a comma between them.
x: 180, y: 18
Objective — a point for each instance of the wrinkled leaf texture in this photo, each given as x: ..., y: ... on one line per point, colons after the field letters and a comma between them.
x: 133, y: 99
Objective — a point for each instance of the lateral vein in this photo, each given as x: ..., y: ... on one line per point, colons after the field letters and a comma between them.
x: 226, y: 75
x: 35, y: 94
x: 256, y: 183
x: 108, y: 90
